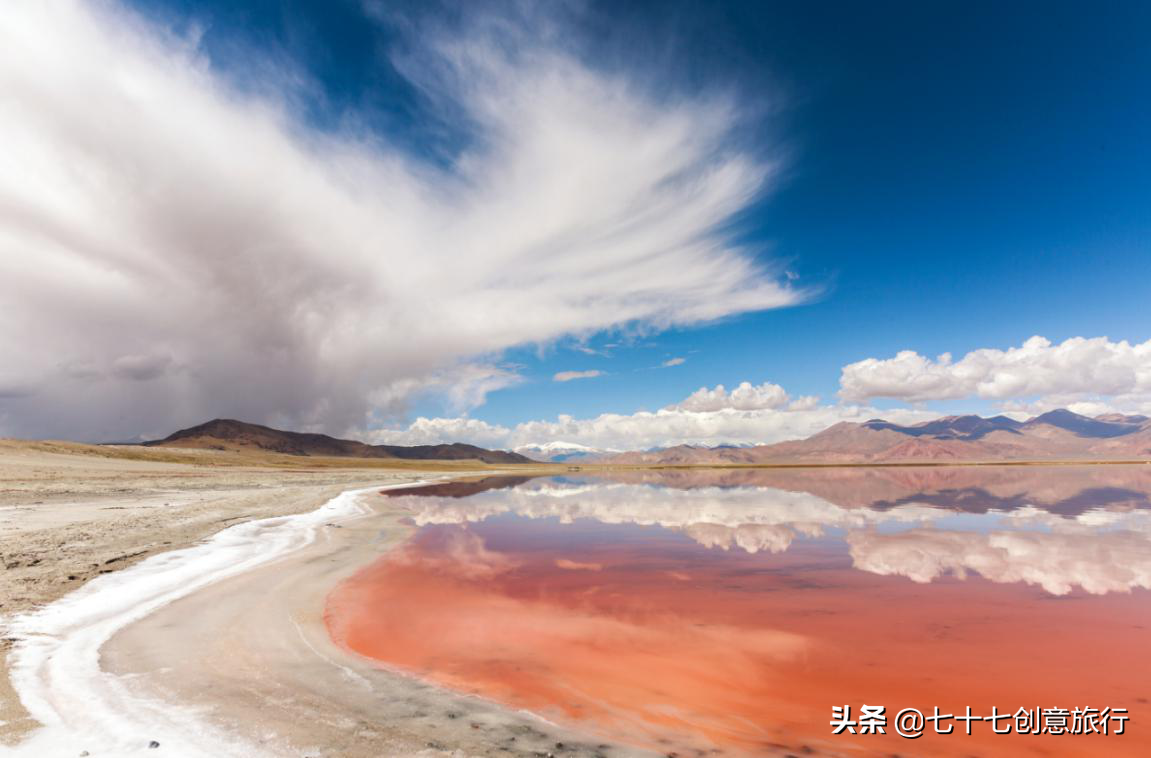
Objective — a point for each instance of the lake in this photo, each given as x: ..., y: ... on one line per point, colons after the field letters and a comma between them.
x: 728, y: 612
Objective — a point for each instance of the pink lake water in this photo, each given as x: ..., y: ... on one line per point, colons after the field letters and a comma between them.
x: 728, y: 612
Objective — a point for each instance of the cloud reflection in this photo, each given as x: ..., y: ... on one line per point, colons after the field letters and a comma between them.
x: 1100, y: 550
x: 1112, y: 561
x: 752, y: 519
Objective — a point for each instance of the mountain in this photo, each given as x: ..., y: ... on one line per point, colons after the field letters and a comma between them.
x: 1056, y: 435
x: 1122, y: 419
x: 228, y: 434
x: 563, y: 451
x: 1083, y: 426
x: 952, y: 427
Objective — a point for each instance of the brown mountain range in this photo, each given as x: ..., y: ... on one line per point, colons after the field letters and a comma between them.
x: 227, y: 434
x: 1057, y: 435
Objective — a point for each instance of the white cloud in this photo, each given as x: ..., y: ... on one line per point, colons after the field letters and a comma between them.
x: 804, y: 403
x: 1085, y: 404
x: 713, y: 424
x: 1076, y: 370
x: 432, y: 431
x: 745, y: 397
x: 567, y: 376
x: 673, y: 362
x: 467, y: 385
x: 199, y: 252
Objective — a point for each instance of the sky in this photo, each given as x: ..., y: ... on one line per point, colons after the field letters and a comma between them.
x: 614, y: 225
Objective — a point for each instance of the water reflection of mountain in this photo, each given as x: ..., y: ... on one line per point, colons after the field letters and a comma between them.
x: 462, y: 487
x: 1060, y: 528
x: 979, y: 500
x: 969, y: 489
x: 1061, y: 490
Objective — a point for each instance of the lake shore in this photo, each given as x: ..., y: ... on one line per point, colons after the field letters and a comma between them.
x: 248, y: 656
x: 72, y: 513
x: 253, y: 651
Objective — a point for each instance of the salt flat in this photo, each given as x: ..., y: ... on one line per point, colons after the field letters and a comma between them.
x: 70, y: 513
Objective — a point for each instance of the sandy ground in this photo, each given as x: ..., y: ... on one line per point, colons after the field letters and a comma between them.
x: 253, y: 652
x: 71, y: 513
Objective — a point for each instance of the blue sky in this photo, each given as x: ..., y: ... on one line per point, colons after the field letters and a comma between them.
x: 937, y: 178
x: 962, y: 176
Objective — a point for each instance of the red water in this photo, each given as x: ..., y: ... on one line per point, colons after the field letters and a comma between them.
x: 642, y: 636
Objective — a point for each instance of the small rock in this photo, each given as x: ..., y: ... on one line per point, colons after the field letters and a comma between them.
x: 153, y: 744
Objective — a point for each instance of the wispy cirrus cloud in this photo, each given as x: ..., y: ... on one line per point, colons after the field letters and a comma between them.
x: 672, y: 362
x: 200, y: 250
x: 567, y: 376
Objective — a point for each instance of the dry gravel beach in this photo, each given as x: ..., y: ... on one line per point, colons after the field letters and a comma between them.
x: 249, y: 652
x: 69, y: 513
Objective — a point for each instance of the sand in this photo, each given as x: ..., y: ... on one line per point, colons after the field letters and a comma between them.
x: 254, y: 652
x: 251, y: 652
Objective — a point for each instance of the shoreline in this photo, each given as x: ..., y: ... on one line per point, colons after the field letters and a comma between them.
x: 250, y: 652
x: 55, y: 660
x: 254, y: 652
x: 140, y: 514
x: 268, y: 672
x: 593, y: 467
x: 68, y: 518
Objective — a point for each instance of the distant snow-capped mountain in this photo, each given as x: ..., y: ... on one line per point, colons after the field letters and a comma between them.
x: 562, y: 451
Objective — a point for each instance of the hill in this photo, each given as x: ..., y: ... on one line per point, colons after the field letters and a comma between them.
x: 229, y: 434
x: 1057, y: 435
